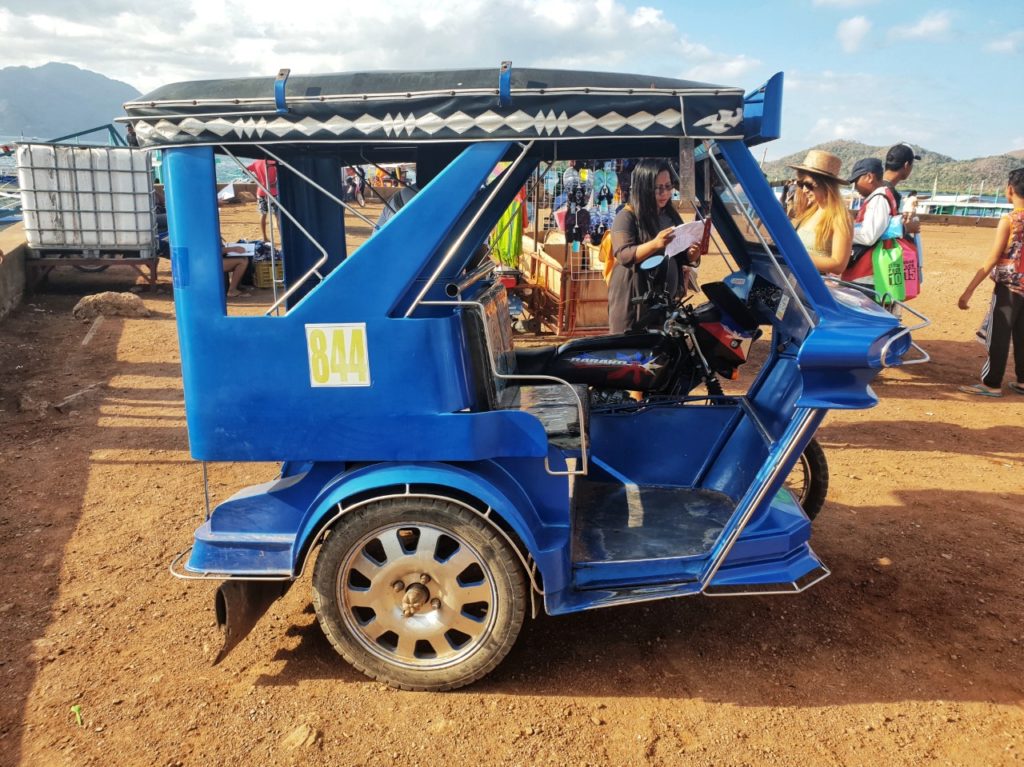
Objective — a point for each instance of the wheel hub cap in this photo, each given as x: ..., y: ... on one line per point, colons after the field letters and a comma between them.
x: 417, y: 596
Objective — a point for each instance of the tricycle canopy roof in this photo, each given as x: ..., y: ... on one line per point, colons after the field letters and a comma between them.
x: 457, y: 105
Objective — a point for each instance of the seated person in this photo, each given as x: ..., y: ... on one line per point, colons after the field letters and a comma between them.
x: 236, y: 265
x: 824, y: 224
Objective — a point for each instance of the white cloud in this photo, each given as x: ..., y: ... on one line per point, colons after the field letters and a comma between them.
x: 148, y: 45
x: 724, y: 70
x: 851, y: 33
x: 826, y: 82
x: 850, y: 127
x: 1009, y: 43
x: 818, y: 109
x: 719, y: 68
x: 932, y: 26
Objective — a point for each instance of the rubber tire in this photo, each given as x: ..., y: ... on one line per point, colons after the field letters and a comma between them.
x: 817, y: 484
x: 92, y: 268
x: 504, y: 566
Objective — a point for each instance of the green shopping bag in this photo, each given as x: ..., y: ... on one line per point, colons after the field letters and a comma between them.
x: 887, y: 260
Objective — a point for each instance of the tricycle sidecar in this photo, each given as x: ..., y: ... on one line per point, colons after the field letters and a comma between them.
x: 438, y: 492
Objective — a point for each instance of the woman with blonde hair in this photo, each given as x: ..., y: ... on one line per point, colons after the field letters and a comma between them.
x: 824, y: 224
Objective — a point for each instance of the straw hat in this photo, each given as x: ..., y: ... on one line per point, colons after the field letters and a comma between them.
x: 821, y: 163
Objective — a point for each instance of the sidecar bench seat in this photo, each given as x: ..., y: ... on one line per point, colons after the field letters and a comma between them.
x: 556, y: 406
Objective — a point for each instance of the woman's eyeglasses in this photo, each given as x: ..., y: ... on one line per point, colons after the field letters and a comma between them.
x: 809, y: 186
x: 664, y: 188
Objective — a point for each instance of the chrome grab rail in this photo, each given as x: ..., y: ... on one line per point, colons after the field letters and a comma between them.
x: 925, y: 322
x: 465, y: 232
x: 785, y: 284
x: 453, y: 289
x: 212, y: 576
x: 323, y: 257
x: 319, y: 188
x: 581, y: 413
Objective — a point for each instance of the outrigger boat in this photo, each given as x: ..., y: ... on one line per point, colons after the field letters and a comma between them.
x: 971, y: 206
x: 436, y: 495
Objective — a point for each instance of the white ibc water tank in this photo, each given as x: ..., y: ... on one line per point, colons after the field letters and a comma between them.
x: 87, y: 199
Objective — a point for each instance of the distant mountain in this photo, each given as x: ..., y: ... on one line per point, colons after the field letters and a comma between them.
x: 57, y: 99
x: 953, y: 175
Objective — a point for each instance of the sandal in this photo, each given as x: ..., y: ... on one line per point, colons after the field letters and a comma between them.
x: 981, y: 390
x: 1016, y: 387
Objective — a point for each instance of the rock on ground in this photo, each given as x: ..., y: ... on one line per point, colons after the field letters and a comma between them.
x: 110, y: 304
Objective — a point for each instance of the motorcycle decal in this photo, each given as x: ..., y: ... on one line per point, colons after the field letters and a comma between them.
x: 728, y: 339
x: 632, y: 367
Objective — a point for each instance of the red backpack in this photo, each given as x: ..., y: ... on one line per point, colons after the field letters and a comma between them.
x: 861, y: 268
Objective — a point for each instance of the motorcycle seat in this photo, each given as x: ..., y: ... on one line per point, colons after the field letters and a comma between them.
x: 534, y: 361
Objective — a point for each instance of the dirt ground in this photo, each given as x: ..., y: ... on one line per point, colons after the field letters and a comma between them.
x: 911, y: 653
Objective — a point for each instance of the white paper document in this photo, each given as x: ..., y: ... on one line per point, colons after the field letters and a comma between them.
x: 684, y: 237
x: 247, y: 249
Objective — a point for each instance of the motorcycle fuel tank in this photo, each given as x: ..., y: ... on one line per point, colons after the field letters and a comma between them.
x: 637, y: 361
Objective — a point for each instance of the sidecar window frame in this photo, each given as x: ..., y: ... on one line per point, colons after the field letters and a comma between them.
x: 757, y: 253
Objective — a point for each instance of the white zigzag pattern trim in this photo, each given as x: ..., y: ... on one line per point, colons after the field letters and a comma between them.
x: 542, y: 123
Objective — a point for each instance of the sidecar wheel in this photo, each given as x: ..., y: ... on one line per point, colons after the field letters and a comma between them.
x: 419, y: 593
x: 808, y: 481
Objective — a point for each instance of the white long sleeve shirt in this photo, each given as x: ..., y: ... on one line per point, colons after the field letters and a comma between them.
x: 876, y: 219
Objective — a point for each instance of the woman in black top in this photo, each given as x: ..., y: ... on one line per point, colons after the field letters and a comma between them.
x: 643, y: 229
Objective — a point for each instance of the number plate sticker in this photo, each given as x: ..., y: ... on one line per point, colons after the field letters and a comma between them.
x: 337, y: 355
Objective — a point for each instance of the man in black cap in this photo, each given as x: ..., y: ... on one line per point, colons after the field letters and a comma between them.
x: 899, y: 163
x: 875, y: 212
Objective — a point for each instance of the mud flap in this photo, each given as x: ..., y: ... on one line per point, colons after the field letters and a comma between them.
x: 239, y: 605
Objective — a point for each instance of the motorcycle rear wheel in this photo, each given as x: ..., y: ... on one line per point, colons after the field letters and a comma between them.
x: 808, y: 481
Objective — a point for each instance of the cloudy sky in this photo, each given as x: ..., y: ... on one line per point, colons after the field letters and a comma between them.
x: 946, y: 76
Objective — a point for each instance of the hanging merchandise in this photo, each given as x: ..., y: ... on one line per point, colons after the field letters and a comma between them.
x: 577, y: 191
x: 550, y: 182
x: 506, y: 241
x: 600, y: 222
x: 624, y: 175
x: 606, y: 181
x: 577, y: 226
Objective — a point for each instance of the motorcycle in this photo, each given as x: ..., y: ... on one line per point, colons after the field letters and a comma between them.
x: 691, y: 346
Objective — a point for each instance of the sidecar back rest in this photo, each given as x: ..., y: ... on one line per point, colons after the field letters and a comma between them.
x: 556, y: 406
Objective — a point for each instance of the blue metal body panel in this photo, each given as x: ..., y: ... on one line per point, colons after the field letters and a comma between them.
x: 762, y: 112
x: 418, y: 367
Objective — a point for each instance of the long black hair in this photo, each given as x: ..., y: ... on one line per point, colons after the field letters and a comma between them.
x: 642, y: 198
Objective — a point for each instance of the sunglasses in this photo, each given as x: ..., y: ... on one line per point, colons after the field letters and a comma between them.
x: 810, y: 186
x: 664, y: 188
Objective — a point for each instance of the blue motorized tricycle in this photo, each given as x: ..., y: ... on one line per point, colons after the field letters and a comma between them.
x: 440, y: 485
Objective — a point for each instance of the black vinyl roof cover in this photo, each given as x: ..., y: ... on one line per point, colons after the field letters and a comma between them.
x: 430, y: 106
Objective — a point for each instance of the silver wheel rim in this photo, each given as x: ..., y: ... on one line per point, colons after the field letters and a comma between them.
x: 799, y: 478
x: 429, y: 570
